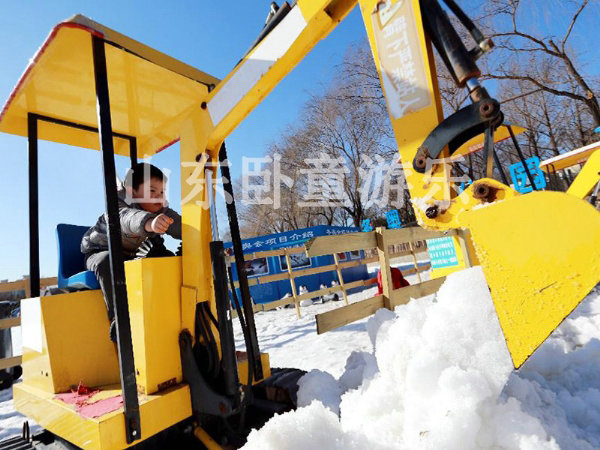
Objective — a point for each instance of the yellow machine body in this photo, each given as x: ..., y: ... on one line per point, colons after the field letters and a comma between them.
x: 154, y: 295
x: 66, y: 344
x: 149, y: 90
x: 541, y: 255
x: 532, y: 291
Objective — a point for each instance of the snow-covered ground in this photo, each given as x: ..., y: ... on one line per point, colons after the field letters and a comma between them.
x: 11, y: 422
x: 432, y: 374
x: 436, y: 374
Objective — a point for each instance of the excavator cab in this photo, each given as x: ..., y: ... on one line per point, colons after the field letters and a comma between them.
x: 175, y: 360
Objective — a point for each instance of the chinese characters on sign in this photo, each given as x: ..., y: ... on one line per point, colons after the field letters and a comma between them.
x: 402, y: 68
x: 322, y: 181
x: 442, y: 252
x: 290, y: 239
x: 393, y: 219
x: 366, y: 225
x: 280, y: 240
x: 520, y: 178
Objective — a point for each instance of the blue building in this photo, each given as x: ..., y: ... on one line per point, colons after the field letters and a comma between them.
x: 265, y: 293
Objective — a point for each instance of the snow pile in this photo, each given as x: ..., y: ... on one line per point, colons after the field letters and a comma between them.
x: 432, y: 374
x: 560, y: 383
x: 440, y: 376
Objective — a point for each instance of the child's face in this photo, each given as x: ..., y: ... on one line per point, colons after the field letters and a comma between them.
x: 151, y: 195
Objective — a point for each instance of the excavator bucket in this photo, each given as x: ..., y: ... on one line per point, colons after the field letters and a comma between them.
x: 540, y: 253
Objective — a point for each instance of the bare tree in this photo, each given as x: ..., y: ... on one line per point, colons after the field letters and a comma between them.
x: 540, y: 82
x: 533, y: 54
x: 348, y: 122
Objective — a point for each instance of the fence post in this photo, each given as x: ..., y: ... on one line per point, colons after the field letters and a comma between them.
x: 292, y: 283
x: 415, y: 262
x: 384, y: 267
x: 27, y: 287
x: 340, y: 279
x: 462, y: 237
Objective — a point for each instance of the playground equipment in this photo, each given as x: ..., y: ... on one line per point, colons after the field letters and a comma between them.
x: 176, y: 367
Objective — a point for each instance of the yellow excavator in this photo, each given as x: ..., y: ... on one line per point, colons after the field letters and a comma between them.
x: 175, y: 378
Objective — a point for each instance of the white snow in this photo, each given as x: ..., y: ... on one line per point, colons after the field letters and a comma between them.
x: 293, y: 342
x: 438, y: 375
x: 433, y: 374
x: 11, y: 422
x: 319, y: 385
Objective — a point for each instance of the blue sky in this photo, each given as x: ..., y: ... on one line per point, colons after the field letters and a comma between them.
x: 206, y: 35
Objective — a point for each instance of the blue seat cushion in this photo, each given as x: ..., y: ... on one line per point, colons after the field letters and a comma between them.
x: 82, y: 280
x: 72, y: 273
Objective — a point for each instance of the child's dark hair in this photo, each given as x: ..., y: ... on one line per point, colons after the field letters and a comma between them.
x: 142, y: 172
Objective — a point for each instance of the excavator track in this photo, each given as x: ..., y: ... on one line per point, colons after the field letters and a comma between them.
x: 19, y: 442
x: 16, y: 443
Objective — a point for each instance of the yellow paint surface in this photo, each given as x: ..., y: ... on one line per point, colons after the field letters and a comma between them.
x: 587, y: 178
x: 157, y: 412
x: 148, y: 93
x: 540, y: 253
x: 412, y: 129
x: 75, y: 345
x: 154, y: 295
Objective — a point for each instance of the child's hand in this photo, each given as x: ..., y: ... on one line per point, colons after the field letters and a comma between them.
x: 160, y: 224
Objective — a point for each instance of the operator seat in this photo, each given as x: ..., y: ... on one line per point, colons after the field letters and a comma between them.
x: 72, y: 274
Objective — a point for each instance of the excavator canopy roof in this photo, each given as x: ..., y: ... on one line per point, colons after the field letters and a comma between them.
x: 148, y: 90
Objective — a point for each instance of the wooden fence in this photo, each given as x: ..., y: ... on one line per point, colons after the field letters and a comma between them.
x: 23, y: 285
x: 333, y: 245
x: 387, y: 245
x: 292, y: 274
x: 381, y: 239
x: 5, y: 324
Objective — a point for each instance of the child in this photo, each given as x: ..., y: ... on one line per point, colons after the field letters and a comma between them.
x: 144, y: 216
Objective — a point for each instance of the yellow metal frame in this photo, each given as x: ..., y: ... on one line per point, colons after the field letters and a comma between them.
x: 569, y: 159
x: 65, y: 342
x: 154, y: 296
x: 588, y: 178
x: 533, y: 236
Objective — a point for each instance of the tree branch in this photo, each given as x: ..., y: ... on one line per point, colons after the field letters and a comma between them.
x: 538, y: 84
x: 573, y: 20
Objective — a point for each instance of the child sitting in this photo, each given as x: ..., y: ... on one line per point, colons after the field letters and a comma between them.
x: 144, y: 216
